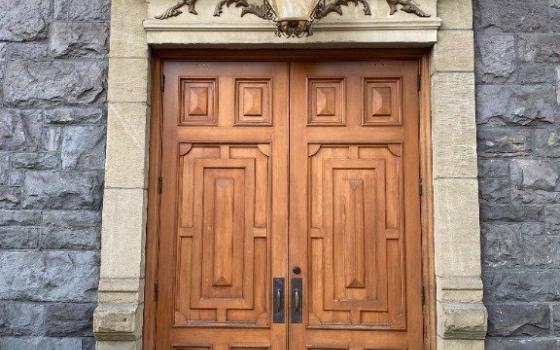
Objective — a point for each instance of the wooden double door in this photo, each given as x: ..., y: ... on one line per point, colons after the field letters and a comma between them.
x: 290, y: 209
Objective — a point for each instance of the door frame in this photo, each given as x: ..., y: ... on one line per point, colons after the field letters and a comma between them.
x: 315, y: 55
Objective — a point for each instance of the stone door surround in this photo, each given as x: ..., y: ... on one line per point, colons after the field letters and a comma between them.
x: 451, y: 217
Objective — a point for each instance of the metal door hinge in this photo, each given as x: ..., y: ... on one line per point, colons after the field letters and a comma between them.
x: 421, y: 187
x: 160, y: 185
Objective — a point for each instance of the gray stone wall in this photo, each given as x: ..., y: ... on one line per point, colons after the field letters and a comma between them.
x: 518, y: 97
x: 53, y: 65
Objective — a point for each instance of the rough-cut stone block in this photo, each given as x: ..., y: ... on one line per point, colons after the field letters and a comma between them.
x: 23, y: 20
x: 4, y: 168
x: 78, y: 39
x: 50, y: 139
x: 521, y: 344
x: 502, y: 245
x: 71, y: 229
x: 495, y: 58
x: 38, y: 343
x: 456, y: 227
x: 542, y: 252
x: 127, y: 139
x: 511, y: 286
x: 128, y: 80
x: 516, y: 105
x: 52, y: 83
x: 63, y: 320
x: 49, y: 276
x: 503, y: 142
x: 20, y: 217
x: 495, y: 190
x: 518, y: 320
x: 513, y: 212
x: 62, y: 190
x: 37, y: 161
x: 83, y: 147
x: 536, y: 73
x: 543, y: 48
x: 78, y: 10
x: 512, y: 15
x: 16, y: 237
x: 123, y: 233
x: 10, y: 197
x: 20, y: 130
x: 20, y: 318
x: 552, y: 214
x: 75, y: 115
x: 547, y: 143
x: 453, y: 125
x: 535, y: 174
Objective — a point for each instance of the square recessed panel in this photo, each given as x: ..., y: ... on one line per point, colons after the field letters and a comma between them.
x: 198, y: 101
x: 382, y: 102
x: 326, y: 101
x: 253, y: 102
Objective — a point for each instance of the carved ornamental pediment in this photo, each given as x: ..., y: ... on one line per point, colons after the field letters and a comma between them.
x: 293, y: 19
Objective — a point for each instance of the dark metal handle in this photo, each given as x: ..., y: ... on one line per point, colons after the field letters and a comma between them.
x: 278, y: 300
x: 297, y: 304
x: 297, y: 300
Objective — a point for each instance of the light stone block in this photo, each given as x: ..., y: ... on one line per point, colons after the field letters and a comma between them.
x: 128, y: 38
x: 128, y: 80
x: 123, y: 233
x: 462, y: 321
x: 456, y: 227
x: 117, y: 345
x: 454, y: 51
x: 454, y: 344
x: 118, y: 322
x: 120, y: 291
x: 459, y: 289
x: 454, y: 125
x: 126, y: 160
x: 456, y: 14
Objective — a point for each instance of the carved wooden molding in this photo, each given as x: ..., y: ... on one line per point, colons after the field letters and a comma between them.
x: 293, y: 28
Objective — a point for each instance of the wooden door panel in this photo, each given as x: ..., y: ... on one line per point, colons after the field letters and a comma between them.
x: 354, y: 204
x: 224, y: 251
x: 223, y: 225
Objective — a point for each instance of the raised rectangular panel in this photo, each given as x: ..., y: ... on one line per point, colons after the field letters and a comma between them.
x: 198, y: 101
x: 253, y: 102
x: 382, y: 101
x: 355, y: 237
x: 223, y: 251
x: 326, y: 101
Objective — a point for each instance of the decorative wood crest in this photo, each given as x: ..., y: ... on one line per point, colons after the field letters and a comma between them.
x: 293, y: 28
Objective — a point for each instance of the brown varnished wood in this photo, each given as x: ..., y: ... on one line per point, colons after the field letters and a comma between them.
x: 354, y: 154
x: 355, y: 205
x: 223, y: 228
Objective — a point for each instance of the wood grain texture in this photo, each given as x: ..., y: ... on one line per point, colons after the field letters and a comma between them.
x: 355, y: 207
x: 353, y: 200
